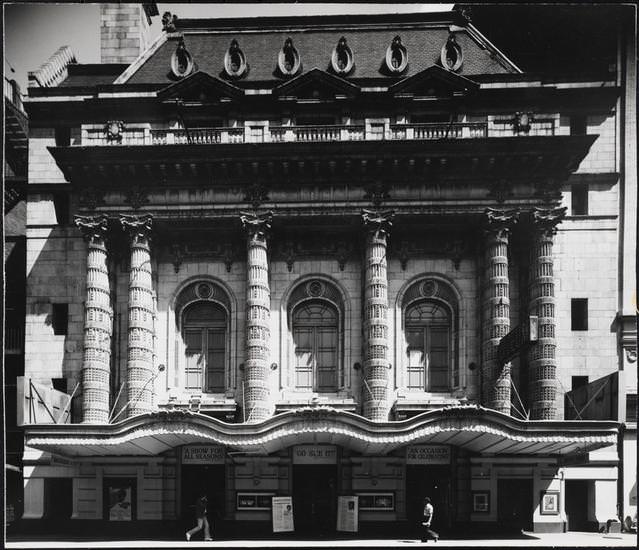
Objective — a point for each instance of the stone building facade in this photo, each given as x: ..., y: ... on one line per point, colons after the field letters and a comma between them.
x: 318, y: 257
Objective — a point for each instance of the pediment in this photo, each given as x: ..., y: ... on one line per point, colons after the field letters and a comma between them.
x: 434, y: 82
x: 316, y: 85
x: 201, y: 87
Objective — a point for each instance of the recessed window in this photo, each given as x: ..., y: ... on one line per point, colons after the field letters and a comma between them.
x: 288, y: 59
x: 578, y: 125
x: 63, y: 136
x: 181, y: 61
x: 396, y: 57
x: 59, y: 384
x: 579, y: 194
x: 579, y: 314
x: 316, y: 336
x: 631, y: 407
x: 205, y: 337
x: 428, y: 328
x: 60, y: 318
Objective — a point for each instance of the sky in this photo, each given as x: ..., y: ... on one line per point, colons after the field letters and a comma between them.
x: 33, y: 32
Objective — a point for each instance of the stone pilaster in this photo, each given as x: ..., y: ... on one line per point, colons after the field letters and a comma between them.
x: 376, y: 376
x: 258, y: 314
x: 542, y: 356
x: 496, y: 382
x: 98, y: 323
x: 140, y: 370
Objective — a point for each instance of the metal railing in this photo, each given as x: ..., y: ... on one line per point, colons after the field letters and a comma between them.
x: 12, y: 93
x: 143, y: 135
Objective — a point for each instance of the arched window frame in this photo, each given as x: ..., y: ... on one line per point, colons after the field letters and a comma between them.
x: 176, y: 349
x: 448, y: 296
x: 339, y: 301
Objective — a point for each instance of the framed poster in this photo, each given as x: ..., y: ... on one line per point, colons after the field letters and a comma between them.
x: 481, y: 502
x: 347, y: 519
x: 120, y: 499
x: 283, y: 514
x: 549, y: 503
x: 376, y: 501
x: 254, y: 501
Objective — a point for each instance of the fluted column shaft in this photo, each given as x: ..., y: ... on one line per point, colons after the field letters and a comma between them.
x: 542, y: 355
x: 98, y: 318
x: 375, y: 402
x: 258, y: 314
x: 496, y: 311
x: 140, y: 369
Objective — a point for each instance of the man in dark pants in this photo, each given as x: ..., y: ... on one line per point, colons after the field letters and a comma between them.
x: 426, y: 521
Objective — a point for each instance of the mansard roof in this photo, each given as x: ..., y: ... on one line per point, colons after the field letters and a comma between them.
x: 315, y: 38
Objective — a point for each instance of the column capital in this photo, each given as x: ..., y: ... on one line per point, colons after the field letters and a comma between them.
x: 500, y: 219
x: 137, y: 226
x: 377, y: 222
x: 547, y: 219
x: 94, y: 228
x: 256, y: 225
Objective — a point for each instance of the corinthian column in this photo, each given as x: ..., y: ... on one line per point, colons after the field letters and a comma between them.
x: 496, y: 310
x: 258, y: 314
x: 375, y: 402
x: 542, y: 356
x: 139, y: 366
x: 98, y: 317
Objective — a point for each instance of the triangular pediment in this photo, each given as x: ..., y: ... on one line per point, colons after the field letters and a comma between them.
x: 201, y: 87
x: 434, y: 82
x: 316, y: 85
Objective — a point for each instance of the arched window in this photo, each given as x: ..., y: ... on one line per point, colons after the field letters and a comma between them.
x: 204, y: 332
x: 203, y: 346
x: 316, y: 340
x: 428, y: 344
x: 428, y: 338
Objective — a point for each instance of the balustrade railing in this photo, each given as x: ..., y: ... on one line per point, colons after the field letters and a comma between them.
x: 308, y: 134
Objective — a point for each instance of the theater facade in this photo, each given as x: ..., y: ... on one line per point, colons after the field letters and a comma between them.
x: 320, y: 257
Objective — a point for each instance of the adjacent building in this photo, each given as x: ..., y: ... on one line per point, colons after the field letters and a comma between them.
x: 316, y: 257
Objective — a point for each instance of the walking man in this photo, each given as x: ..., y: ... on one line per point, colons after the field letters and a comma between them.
x: 202, y: 521
x: 426, y: 522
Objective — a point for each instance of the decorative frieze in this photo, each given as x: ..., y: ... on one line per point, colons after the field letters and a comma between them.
x: 256, y: 397
x: 140, y: 369
x: 542, y: 356
x: 496, y: 311
x: 375, y: 404
x: 98, y: 317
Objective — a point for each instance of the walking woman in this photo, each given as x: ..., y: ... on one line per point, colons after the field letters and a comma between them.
x: 202, y: 521
x: 427, y: 518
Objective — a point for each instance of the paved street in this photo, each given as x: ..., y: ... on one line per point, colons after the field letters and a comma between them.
x: 563, y: 540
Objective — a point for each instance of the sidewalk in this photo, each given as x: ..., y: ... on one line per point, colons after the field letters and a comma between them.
x: 563, y: 540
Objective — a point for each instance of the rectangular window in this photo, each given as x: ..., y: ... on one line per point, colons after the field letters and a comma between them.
x: 579, y: 314
x: 579, y: 195
x: 631, y: 407
x: 60, y: 318
x: 578, y: 126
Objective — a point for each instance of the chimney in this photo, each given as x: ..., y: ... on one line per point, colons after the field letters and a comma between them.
x: 125, y: 31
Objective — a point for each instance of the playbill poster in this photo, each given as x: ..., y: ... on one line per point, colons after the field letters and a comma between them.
x: 347, y: 516
x: 282, y: 514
